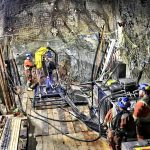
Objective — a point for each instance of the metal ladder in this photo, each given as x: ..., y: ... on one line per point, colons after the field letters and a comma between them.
x: 106, y: 59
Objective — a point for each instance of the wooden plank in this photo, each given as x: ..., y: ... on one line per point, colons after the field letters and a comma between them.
x: 30, y: 94
x: 104, y: 143
x: 39, y: 145
x: 4, y: 89
x: 89, y: 144
x: 87, y: 113
x: 70, y: 143
x: 69, y: 124
x: 14, y: 135
x: 57, y: 124
x: 98, y: 57
x: 39, y: 125
x: 80, y: 145
x: 38, y: 131
x: 48, y: 143
x: 63, y: 125
x: 50, y: 115
x: 55, y: 141
x: 76, y: 124
x: 62, y: 145
x: 45, y: 125
x: 97, y: 144
x: 24, y: 101
x: 8, y: 98
x: 28, y: 107
x: 101, y: 144
x: 59, y: 142
x: 82, y: 125
x: 86, y: 110
x: 16, y: 122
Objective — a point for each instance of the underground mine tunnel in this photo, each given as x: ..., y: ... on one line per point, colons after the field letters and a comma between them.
x: 74, y: 74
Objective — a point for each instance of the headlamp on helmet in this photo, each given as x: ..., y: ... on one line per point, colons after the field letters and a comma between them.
x: 144, y: 87
x: 28, y: 56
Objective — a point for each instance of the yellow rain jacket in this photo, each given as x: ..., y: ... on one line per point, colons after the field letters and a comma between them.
x: 38, y: 56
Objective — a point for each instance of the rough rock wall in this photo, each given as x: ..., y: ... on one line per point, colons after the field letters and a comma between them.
x: 71, y: 28
x: 1, y: 18
x: 136, y: 15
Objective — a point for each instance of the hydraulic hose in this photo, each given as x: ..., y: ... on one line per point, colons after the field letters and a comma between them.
x: 105, y: 97
x: 81, y: 140
x: 54, y: 119
x: 82, y: 117
x: 60, y: 130
x: 102, y: 100
x: 116, y: 94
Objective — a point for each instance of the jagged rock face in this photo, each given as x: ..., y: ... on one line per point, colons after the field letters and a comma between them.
x: 71, y: 28
x: 136, y: 15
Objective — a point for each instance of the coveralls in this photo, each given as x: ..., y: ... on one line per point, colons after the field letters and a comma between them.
x: 118, y: 124
x: 28, y: 70
x: 141, y: 116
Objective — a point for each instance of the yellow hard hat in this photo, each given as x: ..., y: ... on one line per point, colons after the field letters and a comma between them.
x: 111, y: 81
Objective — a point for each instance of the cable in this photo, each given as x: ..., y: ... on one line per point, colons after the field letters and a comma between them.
x: 82, y: 117
x: 118, y: 94
x: 76, y: 110
x: 126, y: 94
x: 64, y: 133
x: 102, y: 100
x: 58, y: 119
x: 68, y: 112
x: 55, y: 119
x: 60, y: 130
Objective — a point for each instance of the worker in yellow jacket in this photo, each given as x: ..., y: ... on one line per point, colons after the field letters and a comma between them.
x: 38, y: 61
